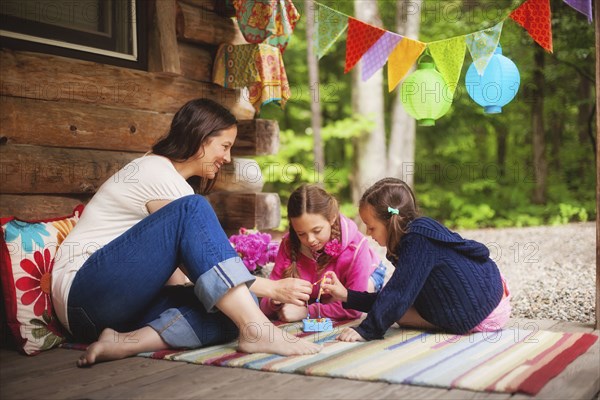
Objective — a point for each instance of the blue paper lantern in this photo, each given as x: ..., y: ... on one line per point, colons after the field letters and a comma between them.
x: 497, y: 86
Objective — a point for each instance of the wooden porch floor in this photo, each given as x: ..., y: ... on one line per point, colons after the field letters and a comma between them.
x: 53, y: 375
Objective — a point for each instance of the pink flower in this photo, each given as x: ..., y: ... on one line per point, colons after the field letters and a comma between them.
x: 255, y: 248
x: 333, y: 248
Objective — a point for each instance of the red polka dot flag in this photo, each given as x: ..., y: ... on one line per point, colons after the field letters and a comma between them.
x: 535, y: 17
x: 360, y: 38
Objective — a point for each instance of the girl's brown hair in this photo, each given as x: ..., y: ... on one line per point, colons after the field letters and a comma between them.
x: 310, y: 199
x: 394, y: 193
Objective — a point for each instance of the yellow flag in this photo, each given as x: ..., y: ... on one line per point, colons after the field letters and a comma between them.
x: 401, y: 59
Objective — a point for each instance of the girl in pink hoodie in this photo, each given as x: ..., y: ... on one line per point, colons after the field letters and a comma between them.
x: 321, y: 239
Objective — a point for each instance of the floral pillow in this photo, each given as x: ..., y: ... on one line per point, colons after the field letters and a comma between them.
x: 27, y: 250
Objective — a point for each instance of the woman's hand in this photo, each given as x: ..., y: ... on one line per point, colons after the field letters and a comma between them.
x: 292, y: 291
x: 350, y: 335
x: 292, y: 313
x: 332, y: 286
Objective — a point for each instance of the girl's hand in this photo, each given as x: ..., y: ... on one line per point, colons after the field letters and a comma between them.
x: 332, y: 286
x: 350, y: 335
x: 292, y: 290
x: 292, y: 313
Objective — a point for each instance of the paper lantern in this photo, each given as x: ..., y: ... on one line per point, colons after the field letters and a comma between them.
x: 424, y: 94
x: 497, y: 86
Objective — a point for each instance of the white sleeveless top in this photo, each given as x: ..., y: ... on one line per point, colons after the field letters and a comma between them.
x: 119, y: 204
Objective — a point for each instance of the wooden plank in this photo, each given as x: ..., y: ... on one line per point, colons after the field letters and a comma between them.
x: 163, y: 55
x: 249, y: 210
x: 241, y: 175
x: 196, y: 62
x: 53, y: 170
x: 47, y: 77
x: 89, y: 126
x: 36, y: 207
x: 200, y: 25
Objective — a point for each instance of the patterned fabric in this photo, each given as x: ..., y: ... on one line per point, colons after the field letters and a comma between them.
x: 401, y: 59
x: 509, y: 361
x: 583, y: 6
x: 329, y: 26
x: 360, y: 38
x: 535, y: 16
x: 482, y: 45
x: 27, y: 251
x: 272, y: 21
x: 376, y: 57
x: 449, y: 56
x: 256, y: 66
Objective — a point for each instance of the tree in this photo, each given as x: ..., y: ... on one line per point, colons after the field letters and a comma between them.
x: 367, y: 100
x: 538, y: 135
x: 401, y: 150
x: 313, y: 82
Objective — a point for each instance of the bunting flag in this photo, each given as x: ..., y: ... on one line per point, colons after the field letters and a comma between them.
x: 449, y: 56
x: 360, y: 38
x: 401, y: 59
x: 583, y: 6
x: 535, y: 17
x: 329, y: 26
x: 482, y: 45
x: 376, y: 57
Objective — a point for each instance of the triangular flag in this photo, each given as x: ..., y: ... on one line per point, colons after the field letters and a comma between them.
x: 583, y: 6
x: 361, y: 37
x: 482, y: 45
x: 449, y: 56
x: 535, y: 17
x: 375, y: 58
x: 329, y: 26
x: 401, y: 59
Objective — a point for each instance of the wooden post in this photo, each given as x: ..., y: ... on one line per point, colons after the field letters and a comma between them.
x: 597, y: 18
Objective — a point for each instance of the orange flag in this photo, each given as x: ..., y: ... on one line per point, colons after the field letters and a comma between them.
x: 401, y: 59
x: 535, y: 17
x: 360, y: 38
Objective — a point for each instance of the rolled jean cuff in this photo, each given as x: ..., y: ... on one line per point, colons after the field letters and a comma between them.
x: 175, y: 330
x: 214, y: 283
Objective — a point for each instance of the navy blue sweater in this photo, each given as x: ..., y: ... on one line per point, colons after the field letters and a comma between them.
x: 451, y: 281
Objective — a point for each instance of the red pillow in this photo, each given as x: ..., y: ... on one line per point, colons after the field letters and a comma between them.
x: 27, y: 250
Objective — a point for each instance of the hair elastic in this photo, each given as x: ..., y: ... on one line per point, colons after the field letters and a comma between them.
x: 392, y: 210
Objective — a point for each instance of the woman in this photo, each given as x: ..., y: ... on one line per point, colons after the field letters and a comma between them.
x: 110, y: 273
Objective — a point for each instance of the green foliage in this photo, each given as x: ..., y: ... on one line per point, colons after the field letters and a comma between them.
x: 461, y: 175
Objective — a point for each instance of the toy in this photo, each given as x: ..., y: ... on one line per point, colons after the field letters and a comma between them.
x: 319, y: 324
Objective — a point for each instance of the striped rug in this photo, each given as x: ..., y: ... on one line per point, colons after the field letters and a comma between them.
x: 509, y: 361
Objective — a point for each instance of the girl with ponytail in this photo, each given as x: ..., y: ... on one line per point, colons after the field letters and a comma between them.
x: 322, y: 240
x: 441, y: 281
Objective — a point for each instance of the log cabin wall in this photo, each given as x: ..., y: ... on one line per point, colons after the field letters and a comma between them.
x: 66, y: 125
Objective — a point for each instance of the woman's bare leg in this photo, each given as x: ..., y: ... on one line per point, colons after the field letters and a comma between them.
x: 257, y: 333
x: 413, y: 319
x: 113, y: 345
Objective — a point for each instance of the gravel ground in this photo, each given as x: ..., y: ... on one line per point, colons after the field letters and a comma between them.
x: 551, y: 270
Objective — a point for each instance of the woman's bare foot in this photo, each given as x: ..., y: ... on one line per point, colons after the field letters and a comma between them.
x: 113, y: 345
x: 267, y: 338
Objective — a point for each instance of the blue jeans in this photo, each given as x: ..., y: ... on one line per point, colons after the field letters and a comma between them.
x: 378, y: 277
x: 122, y: 285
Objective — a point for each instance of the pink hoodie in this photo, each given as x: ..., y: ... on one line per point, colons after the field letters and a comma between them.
x: 353, y: 266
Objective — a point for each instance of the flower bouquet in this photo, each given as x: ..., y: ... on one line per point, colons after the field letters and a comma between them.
x: 255, y: 248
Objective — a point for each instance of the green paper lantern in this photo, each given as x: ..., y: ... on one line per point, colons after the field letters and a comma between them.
x: 424, y: 93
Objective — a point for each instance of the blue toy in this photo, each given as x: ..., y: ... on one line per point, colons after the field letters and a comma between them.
x: 317, y: 324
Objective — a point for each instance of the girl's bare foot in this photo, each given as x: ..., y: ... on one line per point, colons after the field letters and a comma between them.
x: 267, y: 338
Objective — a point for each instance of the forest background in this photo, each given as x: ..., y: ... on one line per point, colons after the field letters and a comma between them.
x: 533, y: 164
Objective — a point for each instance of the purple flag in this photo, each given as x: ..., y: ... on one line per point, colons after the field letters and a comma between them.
x: 583, y: 6
x: 376, y: 57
